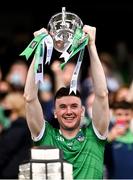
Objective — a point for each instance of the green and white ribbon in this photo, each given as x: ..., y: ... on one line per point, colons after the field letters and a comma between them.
x: 78, y: 45
x: 32, y: 46
x: 79, y: 42
x: 38, y: 45
x: 49, y: 44
x: 73, y: 83
x: 39, y: 57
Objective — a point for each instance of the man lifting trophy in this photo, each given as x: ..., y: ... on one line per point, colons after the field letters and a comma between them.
x: 64, y: 35
x: 81, y: 146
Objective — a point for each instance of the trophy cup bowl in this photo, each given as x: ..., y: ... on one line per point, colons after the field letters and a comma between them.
x: 62, y: 27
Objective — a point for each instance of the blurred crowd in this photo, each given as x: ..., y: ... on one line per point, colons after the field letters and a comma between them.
x: 15, y: 138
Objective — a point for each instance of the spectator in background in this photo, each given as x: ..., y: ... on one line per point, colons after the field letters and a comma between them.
x: 121, y: 93
x: 63, y: 77
x: 4, y: 121
x: 15, y: 141
x: 5, y: 88
x: 119, y: 149
x: 68, y: 72
x: 17, y: 74
x: 58, y: 74
x: 113, y: 76
x: 46, y: 98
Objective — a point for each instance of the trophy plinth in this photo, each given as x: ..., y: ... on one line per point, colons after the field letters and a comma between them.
x: 62, y: 27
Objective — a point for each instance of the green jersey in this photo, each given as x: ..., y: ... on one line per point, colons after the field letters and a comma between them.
x: 85, y: 151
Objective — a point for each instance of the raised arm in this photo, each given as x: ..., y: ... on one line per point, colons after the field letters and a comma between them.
x: 34, y: 113
x: 100, y: 109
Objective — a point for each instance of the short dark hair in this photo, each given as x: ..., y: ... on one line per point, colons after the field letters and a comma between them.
x: 64, y: 91
x: 122, y: 105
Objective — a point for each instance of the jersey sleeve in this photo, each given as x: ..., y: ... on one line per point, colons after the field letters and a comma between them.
x: 39, y: 137
x: 102, y: 137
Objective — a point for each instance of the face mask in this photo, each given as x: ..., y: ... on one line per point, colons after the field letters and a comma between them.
x: 16, y: 79
x: 45, y: 86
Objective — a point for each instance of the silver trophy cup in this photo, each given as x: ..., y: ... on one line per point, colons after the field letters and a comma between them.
x: 62, y: 27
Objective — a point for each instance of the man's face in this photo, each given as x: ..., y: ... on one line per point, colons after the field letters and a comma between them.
x: 68, y: 110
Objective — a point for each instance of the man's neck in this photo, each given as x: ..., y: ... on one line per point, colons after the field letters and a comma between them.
x: 69, y: 134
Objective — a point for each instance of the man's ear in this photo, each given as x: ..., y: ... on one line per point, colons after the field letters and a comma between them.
x: 55, y: 115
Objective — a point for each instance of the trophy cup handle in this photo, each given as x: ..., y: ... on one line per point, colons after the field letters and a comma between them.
x: 63, y: 17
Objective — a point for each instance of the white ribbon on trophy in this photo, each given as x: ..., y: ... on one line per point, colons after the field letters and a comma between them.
x: 49, y: 44
x: 39, y: 72
x: 73, y: 83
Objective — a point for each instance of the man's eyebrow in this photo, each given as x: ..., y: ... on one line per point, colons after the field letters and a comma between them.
x: 74, y: 104
x: 60, y: 105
